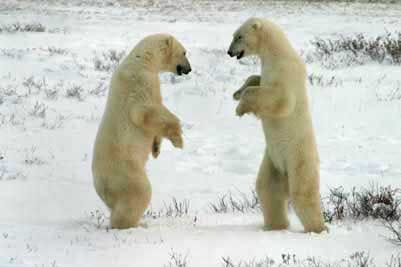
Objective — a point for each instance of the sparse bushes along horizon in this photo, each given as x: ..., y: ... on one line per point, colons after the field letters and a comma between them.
x: 22, y: 27
x: 357, y: 259
x: 356, y: 49
x: 32, y: 27
x: 375, y: 202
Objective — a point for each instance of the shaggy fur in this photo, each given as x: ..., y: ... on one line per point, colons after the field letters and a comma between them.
x: 132, y: 126
x: 290, y: 167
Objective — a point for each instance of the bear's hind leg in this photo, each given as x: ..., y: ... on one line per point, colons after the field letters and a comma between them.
x: 272, y: 191
x: 123, y: 216
x: 130, y: 207
x: 305, y: 195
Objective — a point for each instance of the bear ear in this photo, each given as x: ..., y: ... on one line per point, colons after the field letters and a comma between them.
x: 256, y: 25
x: 169, y: 41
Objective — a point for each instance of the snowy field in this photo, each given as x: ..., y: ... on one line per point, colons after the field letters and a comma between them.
x: 56, y: 61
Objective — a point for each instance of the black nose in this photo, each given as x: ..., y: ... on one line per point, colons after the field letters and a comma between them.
x: 183, y: 69
x: 230, y: 53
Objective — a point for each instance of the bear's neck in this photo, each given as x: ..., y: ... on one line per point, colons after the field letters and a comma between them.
x: 148, y: 61
x: 276, y: 48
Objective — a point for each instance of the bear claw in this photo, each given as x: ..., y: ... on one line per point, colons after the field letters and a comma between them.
x: 155, y: 150
x: 177, y: 141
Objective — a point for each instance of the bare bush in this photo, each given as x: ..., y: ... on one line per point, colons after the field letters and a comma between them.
x: 335, y: 207
x: 56, y: 51
x: 10, y: 90
x: 177, y: 260
x: 12, y: 53
x: 394, y: 229
x: 38, y: 110
x: 374, y: 202
x: 395, y: 261
x: 52, y: 92
x: 98, y: 217
x: 55, y: 123
x: 19, y: 27
x: 6, y: 175
x: 361, y: 259
x: 99, y: 90
x: 176, y: 208
x: 320, y: 80
x: 394, y: 95
x: 14, y: 120
x: 34, y: 85
x: 75, y: 91
x: 236, y: 203
x: 108, y: 60
x: 266, y: 262
x: 31, y: 158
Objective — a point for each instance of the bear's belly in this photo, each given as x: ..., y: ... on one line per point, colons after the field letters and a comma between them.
x: 277, y: 146
x: 277, y: 154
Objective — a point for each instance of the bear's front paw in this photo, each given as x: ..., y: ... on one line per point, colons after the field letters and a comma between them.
x: 177, y: 141
x: 174, y: 135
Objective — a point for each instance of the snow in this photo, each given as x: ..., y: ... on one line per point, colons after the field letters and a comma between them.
x: 46, y: 191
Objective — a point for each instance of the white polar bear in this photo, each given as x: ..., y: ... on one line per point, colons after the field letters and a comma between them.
x: 133, y: 123
x: 290, y: 167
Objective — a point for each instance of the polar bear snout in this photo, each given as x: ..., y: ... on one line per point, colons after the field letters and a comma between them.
x: 239, y: 54
x: 234, y: 52
x: 183, y: 69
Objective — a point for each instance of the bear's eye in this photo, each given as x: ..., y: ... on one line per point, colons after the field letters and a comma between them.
x: 184, y: 53
x: 239, y: 37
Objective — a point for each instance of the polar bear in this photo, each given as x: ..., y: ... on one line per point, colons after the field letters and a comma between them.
x: 290, y: 167
x: 132, y: 126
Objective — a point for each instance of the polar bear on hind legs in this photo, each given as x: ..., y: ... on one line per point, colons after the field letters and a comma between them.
x: 290, y: 167
x: 132, y: 126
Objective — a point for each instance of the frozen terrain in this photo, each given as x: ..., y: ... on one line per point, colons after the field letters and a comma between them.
x: 53, y: 82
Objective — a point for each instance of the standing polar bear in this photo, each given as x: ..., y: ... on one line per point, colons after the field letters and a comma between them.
x: 132, y: 126
x: 290, y: 167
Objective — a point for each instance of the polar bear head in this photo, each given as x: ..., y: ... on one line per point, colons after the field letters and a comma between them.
x: 260, y: 37
x: 246, y: 40
x: 175, y: 57
x: 164, y: 53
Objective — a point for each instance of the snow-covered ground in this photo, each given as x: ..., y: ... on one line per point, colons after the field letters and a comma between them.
x: 52, y: 95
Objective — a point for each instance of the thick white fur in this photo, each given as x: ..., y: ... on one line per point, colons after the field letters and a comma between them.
x: 290, y: 167
x: 132, y: 126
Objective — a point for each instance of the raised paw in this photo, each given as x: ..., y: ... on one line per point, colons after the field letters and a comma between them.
x: 174, y: 135
x: 177, y: 141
